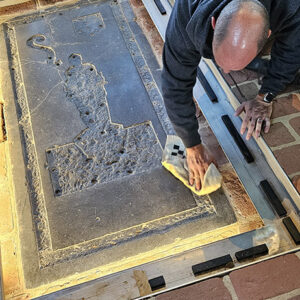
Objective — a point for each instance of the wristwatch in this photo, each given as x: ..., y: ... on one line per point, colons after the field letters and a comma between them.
x: 268, y: 97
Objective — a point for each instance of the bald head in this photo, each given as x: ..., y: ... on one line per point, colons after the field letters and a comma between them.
x: 240, y: 32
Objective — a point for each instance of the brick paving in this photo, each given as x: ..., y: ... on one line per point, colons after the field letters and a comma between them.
x: 209, y: 289
x: 277, y: 278
x: 284, y: 135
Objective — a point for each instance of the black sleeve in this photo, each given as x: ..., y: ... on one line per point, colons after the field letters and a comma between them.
x: 180, y: 61
x: 285, y: 58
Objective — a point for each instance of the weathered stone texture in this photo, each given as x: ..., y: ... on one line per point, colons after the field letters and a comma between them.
x: 104, y: 151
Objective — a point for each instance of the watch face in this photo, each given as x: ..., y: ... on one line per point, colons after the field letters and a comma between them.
x: 269, y: 97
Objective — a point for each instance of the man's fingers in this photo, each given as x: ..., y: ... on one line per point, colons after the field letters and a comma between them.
x: 258, y: 127
x: 251, y: 129
x: 245, y: 123
x: 268, y: 124
x: 202, y: 172
x: 191, y: 177
x: 198, y: 183
x: 239, y: 110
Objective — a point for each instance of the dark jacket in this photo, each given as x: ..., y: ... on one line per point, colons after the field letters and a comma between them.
x: 189, y: 37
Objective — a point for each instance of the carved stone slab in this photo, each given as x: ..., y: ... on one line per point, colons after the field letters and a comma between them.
x: 87, y: 122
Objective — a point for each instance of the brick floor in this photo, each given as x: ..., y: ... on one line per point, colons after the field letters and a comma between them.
x: 17, y: 7
x: 278, y: 277
x: 284, y: 135
x: 51, y: 2
x: 295, y: 123
x: 209, y: 289
x: 267, y: 279
x: 278, y: 135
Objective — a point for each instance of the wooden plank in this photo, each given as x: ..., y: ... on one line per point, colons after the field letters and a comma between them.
x: 1, y: 280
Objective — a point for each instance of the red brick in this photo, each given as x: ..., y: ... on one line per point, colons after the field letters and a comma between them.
x: 295, y: 123
x: 296, y: 182
x: 240, y: 76
x: 295, y: 298
x: 249, y: 90
x: 288, y: 158
x: 50, y: 2
x: 278, y: 135
x: 18, y: 8
x: 286, y: 105
x: 267, y: 279
x: 209, y: 140
x: 212, y: 289
x: 149, y: 29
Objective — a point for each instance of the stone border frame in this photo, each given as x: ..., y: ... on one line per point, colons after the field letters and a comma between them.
x: 46, y: 255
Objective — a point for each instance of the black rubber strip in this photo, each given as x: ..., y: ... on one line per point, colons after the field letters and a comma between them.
x: 157, y: 283
x: 210, y: 265
x: 273, y: 199
x: 292, y: 229
x: 252, y: 252
x: 160, y: 7
x: 209, y: 91
x: 238, y: 140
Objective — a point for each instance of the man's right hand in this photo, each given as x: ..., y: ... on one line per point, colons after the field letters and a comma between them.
x: 198, y: 161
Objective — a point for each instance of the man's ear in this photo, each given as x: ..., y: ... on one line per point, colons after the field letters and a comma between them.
x: 270, y: 31
x: 213, y: 22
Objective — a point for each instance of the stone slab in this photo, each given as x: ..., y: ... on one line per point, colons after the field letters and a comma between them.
x: 87, y: 124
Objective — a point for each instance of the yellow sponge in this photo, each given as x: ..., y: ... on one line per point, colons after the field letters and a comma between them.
x: 174, y: 160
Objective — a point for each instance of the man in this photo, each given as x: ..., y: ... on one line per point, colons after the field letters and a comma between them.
x: 232, y: 32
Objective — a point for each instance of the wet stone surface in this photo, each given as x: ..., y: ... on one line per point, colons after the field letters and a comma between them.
x: 88, y: 145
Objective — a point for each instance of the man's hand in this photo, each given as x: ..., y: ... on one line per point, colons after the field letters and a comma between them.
x: 198, y: 160
x: 256, y: 112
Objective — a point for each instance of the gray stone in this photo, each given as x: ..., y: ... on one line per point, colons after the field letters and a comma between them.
x: 87, y: 123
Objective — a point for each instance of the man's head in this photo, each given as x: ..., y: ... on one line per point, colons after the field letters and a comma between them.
x: 240, y: 32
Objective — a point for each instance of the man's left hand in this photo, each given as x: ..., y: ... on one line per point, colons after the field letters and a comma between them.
x: 256, y: 112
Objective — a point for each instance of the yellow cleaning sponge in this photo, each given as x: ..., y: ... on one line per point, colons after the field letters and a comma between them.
x: 174, y: 160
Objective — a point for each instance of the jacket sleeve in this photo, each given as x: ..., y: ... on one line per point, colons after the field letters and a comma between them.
x: 180, y: 61
x: 285, y: 58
